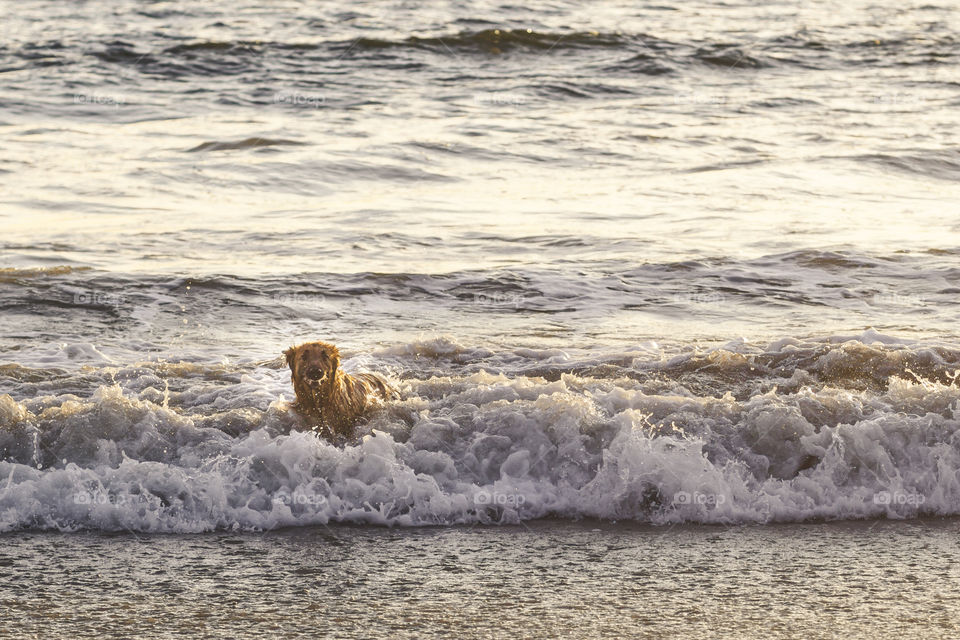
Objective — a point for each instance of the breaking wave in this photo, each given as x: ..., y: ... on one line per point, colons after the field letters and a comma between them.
x: 846, y: 427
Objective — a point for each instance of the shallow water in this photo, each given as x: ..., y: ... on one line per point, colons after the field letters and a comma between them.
x: 542, y: 580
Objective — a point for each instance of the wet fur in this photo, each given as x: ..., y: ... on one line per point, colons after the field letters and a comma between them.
x: 336, y: 400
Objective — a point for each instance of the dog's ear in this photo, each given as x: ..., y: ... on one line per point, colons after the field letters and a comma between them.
x: 289, y: 353
x: 333, y: 357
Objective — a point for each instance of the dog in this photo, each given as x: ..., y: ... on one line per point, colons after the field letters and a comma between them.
x: 326, y: 394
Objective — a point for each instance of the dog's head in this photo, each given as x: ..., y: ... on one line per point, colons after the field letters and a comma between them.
x: 313, y: 362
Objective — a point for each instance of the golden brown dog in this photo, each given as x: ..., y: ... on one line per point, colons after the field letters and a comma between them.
x: 327, y: 394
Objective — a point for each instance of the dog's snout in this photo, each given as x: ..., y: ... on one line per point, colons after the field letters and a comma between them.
x: 315, y: 373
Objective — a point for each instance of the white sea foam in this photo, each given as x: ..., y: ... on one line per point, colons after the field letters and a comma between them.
x: 182, y: 448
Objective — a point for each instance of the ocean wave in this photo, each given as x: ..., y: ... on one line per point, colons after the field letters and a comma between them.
x: 799, y: 49
x: 493, y: 41
x: 168, y: 53
x: 942, y: 164
x: 861, y: 426
x: 134, y: 312
x: 730, y: 57
x: 246, y: 143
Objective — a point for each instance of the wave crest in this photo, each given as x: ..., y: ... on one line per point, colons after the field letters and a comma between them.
x: 478, y: 446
